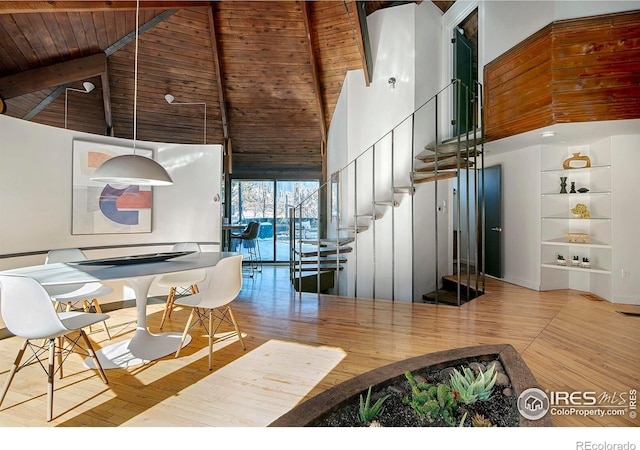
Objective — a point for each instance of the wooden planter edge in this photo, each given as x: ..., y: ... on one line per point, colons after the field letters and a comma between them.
x: 306, y: 413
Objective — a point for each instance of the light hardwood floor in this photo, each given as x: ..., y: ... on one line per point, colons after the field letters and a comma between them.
x: 569, y: 342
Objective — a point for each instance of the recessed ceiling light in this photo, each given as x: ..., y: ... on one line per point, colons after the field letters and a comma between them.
x: 548, y: 134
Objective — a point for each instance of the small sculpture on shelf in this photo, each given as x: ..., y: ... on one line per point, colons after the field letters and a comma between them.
x: 575, y: 261
x: 583, y: 190
x: 560, y: 260
x: 586, y: 263
x: 563, y: 185
x: 577, y: 237
x: 580, y: 211
x: 573, y: 188
x: 576, y: 157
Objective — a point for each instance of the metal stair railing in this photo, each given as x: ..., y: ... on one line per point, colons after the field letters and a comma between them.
x: 298, y: 243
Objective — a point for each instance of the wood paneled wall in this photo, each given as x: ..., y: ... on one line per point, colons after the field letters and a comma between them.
x: 576, y: 70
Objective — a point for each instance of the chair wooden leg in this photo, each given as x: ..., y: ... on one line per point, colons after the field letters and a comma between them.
x: 86, y: 306
x: 14, y: 369
x: 168, y: 307
x: 235, y: 324
x: 59, y: 353
x: 210, y: 339
x: 50, y: 377
x: 93, y: 356
x: 186, y: 330
x: 98, y: 309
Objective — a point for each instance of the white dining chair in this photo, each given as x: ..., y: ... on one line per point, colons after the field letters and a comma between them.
x: 180, y: 283
x: 213, y: 306
x: 72, y: 295
x: 28, y: 312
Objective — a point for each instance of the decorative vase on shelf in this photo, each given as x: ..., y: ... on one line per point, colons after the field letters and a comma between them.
x: 579, y: 158
x: 563, y: 185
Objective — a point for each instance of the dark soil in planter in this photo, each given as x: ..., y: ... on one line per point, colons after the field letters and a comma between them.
x: 500, y: 408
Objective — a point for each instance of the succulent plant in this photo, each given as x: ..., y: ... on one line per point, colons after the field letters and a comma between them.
x: 478, y: 420
x: 368, y: 411
x: 472, y: 388
x: 431, y: 401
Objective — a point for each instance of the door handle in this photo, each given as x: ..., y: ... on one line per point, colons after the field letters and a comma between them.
x: 498, y: 229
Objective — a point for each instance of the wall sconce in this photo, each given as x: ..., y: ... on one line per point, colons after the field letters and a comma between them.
x: 88, y: 87
x: 392, y: 82
x: 171, y: 100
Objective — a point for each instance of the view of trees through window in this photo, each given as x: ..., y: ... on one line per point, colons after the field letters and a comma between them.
x: 267, y: 202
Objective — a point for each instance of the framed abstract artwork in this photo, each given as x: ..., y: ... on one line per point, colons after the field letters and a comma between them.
x: 102, y: 208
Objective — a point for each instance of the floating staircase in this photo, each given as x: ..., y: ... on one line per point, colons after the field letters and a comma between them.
x: 316, y: 265
x: 442, y: 161
x: 316, y: 262
x: 448, y: 294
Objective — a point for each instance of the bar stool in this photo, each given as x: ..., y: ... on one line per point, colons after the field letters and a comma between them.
x: 248, y: 238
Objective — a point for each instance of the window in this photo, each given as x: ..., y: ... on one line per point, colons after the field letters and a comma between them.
x: 267, y: 202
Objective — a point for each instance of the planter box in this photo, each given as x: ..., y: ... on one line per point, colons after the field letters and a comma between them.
x: 311, y: 411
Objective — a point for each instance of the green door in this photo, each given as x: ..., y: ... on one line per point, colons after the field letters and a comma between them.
x: 493, y: 221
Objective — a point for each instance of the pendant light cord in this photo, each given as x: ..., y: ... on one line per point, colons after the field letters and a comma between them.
x: 135, y: 81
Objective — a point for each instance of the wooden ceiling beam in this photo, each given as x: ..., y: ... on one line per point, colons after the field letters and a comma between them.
x: 17, y: 7
x: 315, y: 70
x: 54, y: 75
x: 106, y: 100
x: 357, y: 19
x: 318, y: 88
x: 218, y: 69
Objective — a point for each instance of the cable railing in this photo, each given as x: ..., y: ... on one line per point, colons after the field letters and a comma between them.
x: 354, y: 197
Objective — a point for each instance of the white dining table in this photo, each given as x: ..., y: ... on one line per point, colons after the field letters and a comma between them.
x: 144, y: 346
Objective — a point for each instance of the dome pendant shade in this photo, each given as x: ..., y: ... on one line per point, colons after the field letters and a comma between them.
x: 132, y: 169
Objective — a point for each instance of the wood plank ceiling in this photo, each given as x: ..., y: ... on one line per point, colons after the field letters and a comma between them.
x: 269, y: 72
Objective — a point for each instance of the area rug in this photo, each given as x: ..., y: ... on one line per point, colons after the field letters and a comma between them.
x: 253, y: 390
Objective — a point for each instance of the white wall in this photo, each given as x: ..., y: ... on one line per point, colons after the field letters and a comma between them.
x: 36, y: 190
x: 625, y: 162
x: 520, y: 215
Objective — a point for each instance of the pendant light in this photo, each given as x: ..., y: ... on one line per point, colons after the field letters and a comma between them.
x: 133, y: 169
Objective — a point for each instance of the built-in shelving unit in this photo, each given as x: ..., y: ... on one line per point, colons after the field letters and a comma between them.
x: 557, y: 220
